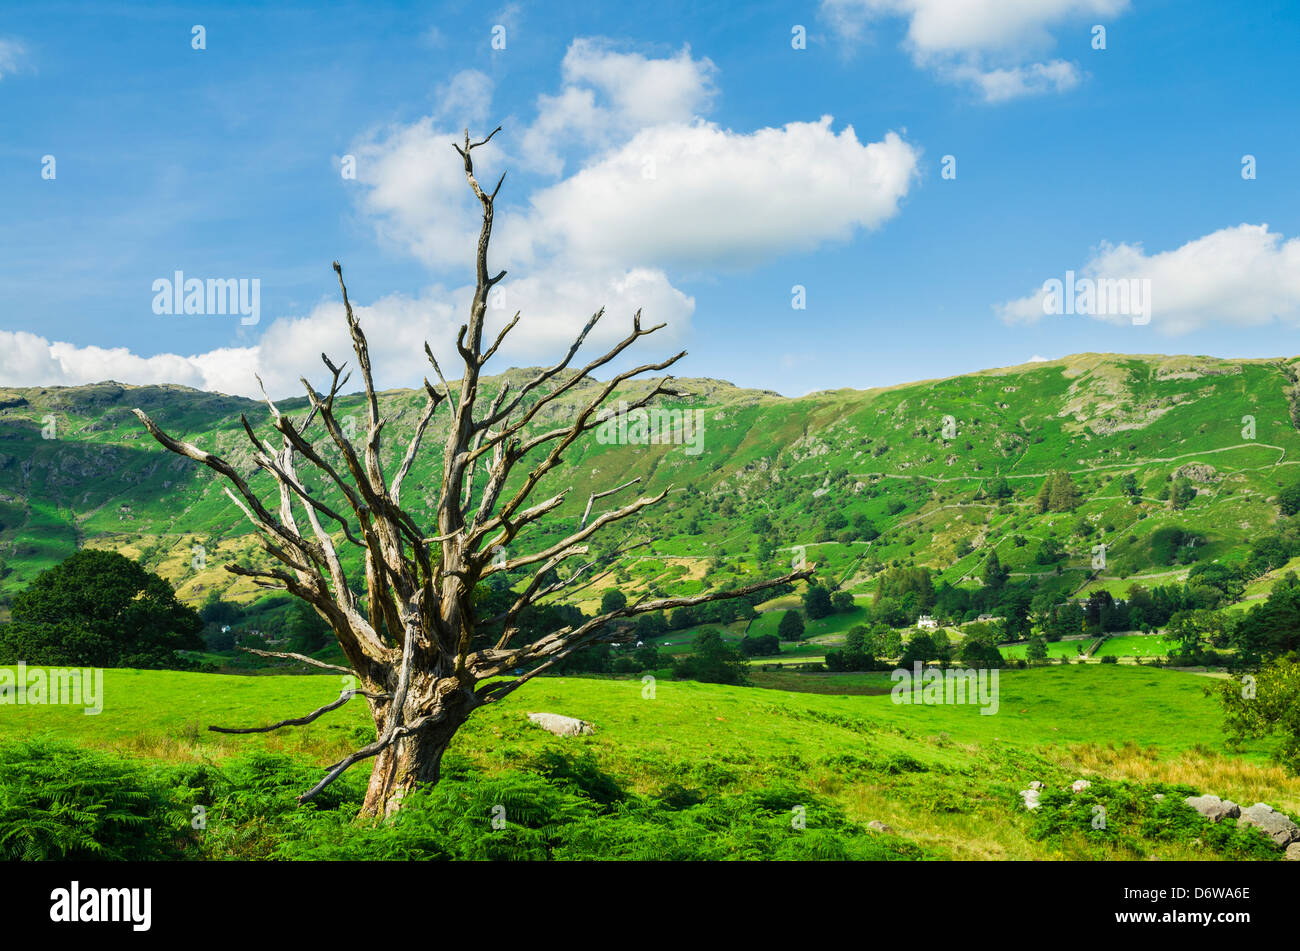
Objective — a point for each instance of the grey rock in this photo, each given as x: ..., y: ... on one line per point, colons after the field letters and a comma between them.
x: 1272, y: 823
x: 1292, y: 853
x: 1030, y: 796
x: 562, y: 725
x: 879, y: 826
x: 1214, y: 808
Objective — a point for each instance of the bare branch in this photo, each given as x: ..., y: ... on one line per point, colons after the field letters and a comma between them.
x: 344, y: 697
x: 301, y: 658
x: 600, y: 495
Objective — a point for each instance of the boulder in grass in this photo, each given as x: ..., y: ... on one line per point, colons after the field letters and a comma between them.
x: 1292, y: 853
x: 1030, y: 796
x: 1079, y: 785
x: 1214, y: 808
x: 562, y: 725
x: 1272, y: 823
x: 879, y: 826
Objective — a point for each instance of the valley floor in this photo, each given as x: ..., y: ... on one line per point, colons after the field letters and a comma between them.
x: 945, y: 778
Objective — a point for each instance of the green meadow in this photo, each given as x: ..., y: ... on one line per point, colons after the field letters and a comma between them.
x: 944, y: 779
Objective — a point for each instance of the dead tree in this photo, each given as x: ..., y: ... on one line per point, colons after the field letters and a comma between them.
x: 413, y: 641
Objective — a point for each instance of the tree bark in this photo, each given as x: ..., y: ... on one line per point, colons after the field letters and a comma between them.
x: 414, y: 760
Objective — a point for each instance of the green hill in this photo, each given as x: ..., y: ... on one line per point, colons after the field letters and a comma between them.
x: 920, y: 464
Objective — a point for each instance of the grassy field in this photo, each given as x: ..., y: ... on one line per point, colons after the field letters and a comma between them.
x: 945, y: 777
x: 1137, y: 645
x: 1054, y: 649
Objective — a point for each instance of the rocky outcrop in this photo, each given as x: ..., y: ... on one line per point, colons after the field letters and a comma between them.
x: 1214, y: 808
x: 1272, y: 823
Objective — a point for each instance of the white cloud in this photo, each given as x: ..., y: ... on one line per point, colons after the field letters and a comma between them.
x: 992, y: 45
x: 999, y: 85
x: 699, y: 195
x: 30, y: 360
x: 396, y: 328
x: 13, y: 55
x: 416, y: 192
x: 608, y: 96
x: 1244, y: 276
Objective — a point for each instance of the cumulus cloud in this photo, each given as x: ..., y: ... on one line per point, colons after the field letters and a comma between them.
x: 1244, y: 276
x: 27, y: 359
x: 700, y: 195
x: 396, y: 328
x: 992, y: 45
x: 607, y: 95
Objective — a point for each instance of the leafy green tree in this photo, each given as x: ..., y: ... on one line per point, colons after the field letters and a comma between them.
x: 1064, y: 496
x: 713, y: 661
x: 791, y: 626
x: 1182, y: 493
x: 864, y: 528
x: 612, y: 600
x: 1270, y: 629
x: 1288, y: 500
x: 1014, y: 606
x: 650, y: 625
x: 1049, y: 552
x: 1043, y: 498
x: 762, y: 645
x: 942, y: 646
x: 920, y: 647
x: 817, y: 602
x: 978, y: 653
x: 217, y: 611
x: 306, y: 630
x: 856, y: 654
x: 99, y: 609
x: 888, y: 611
x: 647, y: 657
x: 995, y: 575
x: 1036, y: 652
x: 884, y: 641
x: 1267, y: 706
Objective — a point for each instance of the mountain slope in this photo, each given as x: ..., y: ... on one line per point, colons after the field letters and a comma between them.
x: 916, y: 463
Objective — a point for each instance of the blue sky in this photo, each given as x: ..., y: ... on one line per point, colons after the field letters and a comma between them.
x: 681, y: 157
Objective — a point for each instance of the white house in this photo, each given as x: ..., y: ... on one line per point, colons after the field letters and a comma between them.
x: 926, y: 623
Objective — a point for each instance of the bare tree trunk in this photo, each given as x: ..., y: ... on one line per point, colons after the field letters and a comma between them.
x: 414, y: 760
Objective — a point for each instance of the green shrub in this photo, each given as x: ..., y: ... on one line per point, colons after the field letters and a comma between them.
x: 59, y: 801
